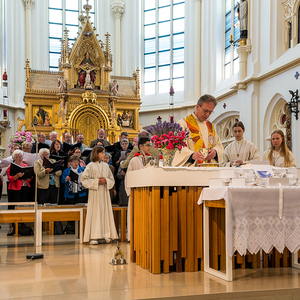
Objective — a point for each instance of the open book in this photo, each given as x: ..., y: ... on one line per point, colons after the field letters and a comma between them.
x: 68, y: 147
x: 52, y: 165
x: 15, y: 169
x: 74, y: 176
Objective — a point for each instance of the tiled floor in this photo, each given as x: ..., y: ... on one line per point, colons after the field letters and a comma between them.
x: 73, y: 271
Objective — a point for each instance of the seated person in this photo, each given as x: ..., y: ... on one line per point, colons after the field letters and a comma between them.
x: 278, y: 154
x: 74, y: 193
x: 47, y: 184
x: 240, y: 151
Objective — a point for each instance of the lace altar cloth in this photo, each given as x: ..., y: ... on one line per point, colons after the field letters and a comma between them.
x: 254, y: 220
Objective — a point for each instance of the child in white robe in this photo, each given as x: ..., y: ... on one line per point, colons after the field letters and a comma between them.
x: 240, y: 151
x: 278, y: 154
x: 136, y: 163
x: 98, y: 178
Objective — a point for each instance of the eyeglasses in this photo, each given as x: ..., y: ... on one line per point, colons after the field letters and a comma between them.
x: 209, y: 112
x: 148, y: 145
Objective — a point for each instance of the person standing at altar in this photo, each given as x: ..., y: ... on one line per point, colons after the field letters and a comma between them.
x: 98, y: 178
x: 202, y: 135
x: 278, y: 154
x: 100, y: 138
x: 240, y: 151
x: 135, y: 164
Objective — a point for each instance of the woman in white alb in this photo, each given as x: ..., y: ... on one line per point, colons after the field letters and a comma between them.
x: 278, y: 154
x: 240, y: 151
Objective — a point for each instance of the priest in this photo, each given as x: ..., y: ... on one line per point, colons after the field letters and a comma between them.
x: 203, y: 143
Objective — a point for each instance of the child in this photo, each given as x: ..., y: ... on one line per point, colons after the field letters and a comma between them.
x: 136, y: 164
x: 98, y: 178
x: 74, y: 193
x: 112, y: 191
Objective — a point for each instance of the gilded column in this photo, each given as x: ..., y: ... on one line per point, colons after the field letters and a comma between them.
x: 28, y: 6
x: 118, y: 8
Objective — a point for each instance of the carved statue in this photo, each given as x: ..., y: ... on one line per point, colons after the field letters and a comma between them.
x: 242, y: 11
x: 114, y: 87
x: 86, y: 69
x: 61, y: 84
x: 41, y: 114
x: 47, y: 120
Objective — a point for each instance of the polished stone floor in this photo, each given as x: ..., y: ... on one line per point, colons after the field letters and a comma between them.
x: 73, y: 271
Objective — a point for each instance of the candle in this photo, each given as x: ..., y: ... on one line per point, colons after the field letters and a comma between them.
x: 231, y: 37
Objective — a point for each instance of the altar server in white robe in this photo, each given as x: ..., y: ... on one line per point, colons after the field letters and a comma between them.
x: 278, y: 154
x: 136, y: 163
x: 240, y: 151
x: 98, y: 178
x: 202, y: 134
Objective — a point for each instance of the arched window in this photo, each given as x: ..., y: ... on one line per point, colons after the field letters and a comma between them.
x: 232, y: 31
x: 163, y: 45
x: 63, y: 14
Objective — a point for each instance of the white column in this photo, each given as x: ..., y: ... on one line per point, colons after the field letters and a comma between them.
x: 28, y: 6
x: 118, y: 9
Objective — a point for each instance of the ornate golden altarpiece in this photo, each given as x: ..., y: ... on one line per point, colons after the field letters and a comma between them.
x: 82, y: 96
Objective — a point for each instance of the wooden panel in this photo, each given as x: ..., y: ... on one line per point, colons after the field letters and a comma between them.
x: 182, y: 200
x: 19, y: 217
x: 179, y: 251
x: 190, y: 247
x: 155, y: 242
x: 216, y: 203
x: 214, y: 235
x: 222, y: 236
x: 172, y: 231
x: 166, y: 230
x: 132, y: 213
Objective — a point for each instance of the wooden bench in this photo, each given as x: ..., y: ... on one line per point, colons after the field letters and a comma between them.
x: 123, y: 211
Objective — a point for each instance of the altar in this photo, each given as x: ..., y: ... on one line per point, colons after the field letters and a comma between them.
x: 168, y: 232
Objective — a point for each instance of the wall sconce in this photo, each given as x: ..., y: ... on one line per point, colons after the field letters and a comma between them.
x: 294, y: 103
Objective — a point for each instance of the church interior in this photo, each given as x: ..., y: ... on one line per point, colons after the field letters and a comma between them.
x: 75, y: 66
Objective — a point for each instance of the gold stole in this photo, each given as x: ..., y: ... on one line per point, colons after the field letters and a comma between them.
x: 196, y: 135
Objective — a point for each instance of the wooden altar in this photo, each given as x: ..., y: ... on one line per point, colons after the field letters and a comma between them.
x: 82, y: 96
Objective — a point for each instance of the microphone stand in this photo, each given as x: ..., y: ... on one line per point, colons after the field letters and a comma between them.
x: 35, y: 255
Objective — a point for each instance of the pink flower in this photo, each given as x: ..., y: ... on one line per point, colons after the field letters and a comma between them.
x: 179, y: 147
x: 9, y: 145
x: 17, y: 134
x: 20, y: 140
x: 15, y: 140
x: 22, y: 132
x: 170, y: 146
x: 28, y: 139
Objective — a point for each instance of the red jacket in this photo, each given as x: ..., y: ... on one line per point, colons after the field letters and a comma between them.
x: 16, y: 184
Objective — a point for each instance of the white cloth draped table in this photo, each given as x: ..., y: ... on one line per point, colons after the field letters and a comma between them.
x: 253, y: 218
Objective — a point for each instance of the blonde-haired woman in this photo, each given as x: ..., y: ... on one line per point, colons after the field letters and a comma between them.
x: 278, y: 154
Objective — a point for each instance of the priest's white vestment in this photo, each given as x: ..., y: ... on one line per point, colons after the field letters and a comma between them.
x: 99, y: 220
x: 240, y: 150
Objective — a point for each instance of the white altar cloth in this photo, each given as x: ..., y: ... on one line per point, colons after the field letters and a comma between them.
x: 253, y: 218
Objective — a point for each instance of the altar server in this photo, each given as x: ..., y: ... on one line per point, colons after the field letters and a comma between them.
x: 136, y: 164
x: 278, y: 154
x: 202, y: 134
x: 98, y: 178
x: 240, y: 151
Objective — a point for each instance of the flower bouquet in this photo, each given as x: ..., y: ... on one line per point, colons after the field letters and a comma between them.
x: 168, y: 137
x: 21, y: 136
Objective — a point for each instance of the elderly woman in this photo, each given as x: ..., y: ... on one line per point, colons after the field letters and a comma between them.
x: 19, y: 190
x: 77, y: 152
x: 47, y: 183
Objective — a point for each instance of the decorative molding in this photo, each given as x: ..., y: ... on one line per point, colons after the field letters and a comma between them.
x: 288, y: 9
x: 118, y: 9
x: 29, y: 4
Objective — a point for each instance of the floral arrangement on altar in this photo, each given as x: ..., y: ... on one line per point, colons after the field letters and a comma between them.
x: 20, y: 137
x: 167, y: 135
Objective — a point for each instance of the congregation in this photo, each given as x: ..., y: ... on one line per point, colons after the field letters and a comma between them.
x: 75, y: 173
